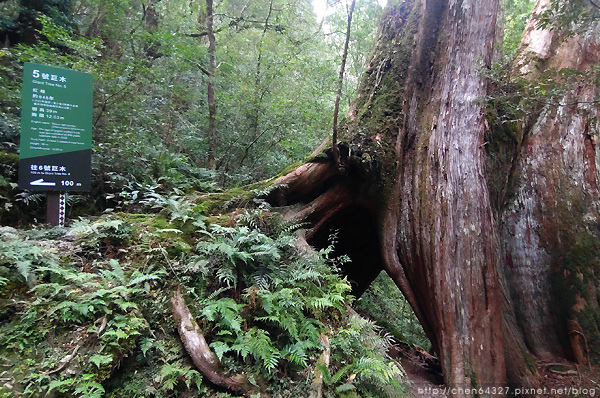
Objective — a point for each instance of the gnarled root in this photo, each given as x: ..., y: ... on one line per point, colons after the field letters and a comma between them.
x: 205, y: 360
x: 317, y: 385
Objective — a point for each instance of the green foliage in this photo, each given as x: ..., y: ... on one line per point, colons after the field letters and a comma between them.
x: 359, y: 361
x: 103, y: 236
x: 150, y: 108
x: 171, y: 374
x: 21, y: 259
x: 85, y: 296
x: 573, y: 15
x: 515, y: 97
x: 80, y: 320
x: 365, y: 22
x: 96, y: 311
x: 19, y: 20
x: 10, y: 100
x: 275, y: 84
x: 284, y: 301
x: 262, y: 303
x: 86, y: 312
x: 384, y: 303
x: 516, y: 15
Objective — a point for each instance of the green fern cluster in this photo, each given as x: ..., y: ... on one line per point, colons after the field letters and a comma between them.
x: 265, y: 303
x: 99, y: 323
x: 84, y: 322
x: 20, y: 258
x: 83, y: 296
x: 176, y: 205
x: 360, y: 366
x: 100, y: 236
x: 284, y: 297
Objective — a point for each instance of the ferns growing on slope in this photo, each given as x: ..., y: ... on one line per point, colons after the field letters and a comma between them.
x: 288, y: 298
x: 261, y: 302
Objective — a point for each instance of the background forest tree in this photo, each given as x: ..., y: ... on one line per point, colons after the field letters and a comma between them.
x: 274, y: 83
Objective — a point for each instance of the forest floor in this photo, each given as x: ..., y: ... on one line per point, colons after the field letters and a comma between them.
x: 422, y: 370
x: 558, y: 378
x: 423, y: 380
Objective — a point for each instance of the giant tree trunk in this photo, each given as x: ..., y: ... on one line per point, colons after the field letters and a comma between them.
x: 549, y: 221
x: 478, y: 239
x: 438, y: 231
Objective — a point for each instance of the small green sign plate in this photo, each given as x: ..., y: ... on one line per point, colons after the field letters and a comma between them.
x: 56, y: 129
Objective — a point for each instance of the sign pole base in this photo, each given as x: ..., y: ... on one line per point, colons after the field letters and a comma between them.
x: 55, y: 209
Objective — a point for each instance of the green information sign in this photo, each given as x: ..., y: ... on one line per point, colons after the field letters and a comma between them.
x: 56, y: 129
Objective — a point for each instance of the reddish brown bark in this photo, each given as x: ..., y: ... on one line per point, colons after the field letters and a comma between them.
x: 436, y: 229
x: 549, y: 224
x: 446, y: 239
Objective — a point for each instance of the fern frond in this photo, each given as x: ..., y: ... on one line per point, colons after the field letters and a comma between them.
x: 262, y: 349
x: 296, y: 355
x: 117, y: 271
x: 217, y: 292
x: 24, y: 268
x: 140, y: 278
x: 262, y: 278
x: 226, y: 276
x: 220, y: 348
x: 226, y: 312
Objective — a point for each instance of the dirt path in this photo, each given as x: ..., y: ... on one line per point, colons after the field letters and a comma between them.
x: 422, y: 370
x: 423, y: 380
x: 558, y: 378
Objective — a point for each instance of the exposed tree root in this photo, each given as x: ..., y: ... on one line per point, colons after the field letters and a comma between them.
x: 317, y: 387
x: 63, y: 362
x: 305, y: 178
x: 204, y: 359
x: 321, y: 209
x: 578, y: 342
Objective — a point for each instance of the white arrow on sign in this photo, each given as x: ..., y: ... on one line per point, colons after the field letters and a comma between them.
x: 42, y: 182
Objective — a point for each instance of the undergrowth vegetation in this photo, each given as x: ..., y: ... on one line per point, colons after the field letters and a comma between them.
x: 384, y: 303
x: 86, y: 310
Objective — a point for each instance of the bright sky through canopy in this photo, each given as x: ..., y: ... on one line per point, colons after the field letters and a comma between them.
x: 320, y: 7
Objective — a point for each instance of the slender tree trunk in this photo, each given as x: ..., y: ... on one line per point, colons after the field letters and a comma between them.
x: 336, y: 111
x: 261, y: 90
x: 212, y: 71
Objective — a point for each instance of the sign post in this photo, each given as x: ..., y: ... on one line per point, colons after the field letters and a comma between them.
x: 56, y: 203
x: 56, y: 134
